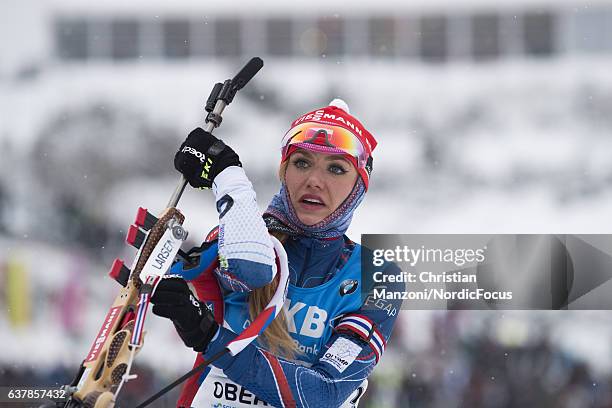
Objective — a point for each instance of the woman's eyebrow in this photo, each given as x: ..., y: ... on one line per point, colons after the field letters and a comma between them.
x: 304, y: 153
x: 337, y: 157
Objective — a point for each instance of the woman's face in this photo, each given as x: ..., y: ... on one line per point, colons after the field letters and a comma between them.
x: 318, y: 183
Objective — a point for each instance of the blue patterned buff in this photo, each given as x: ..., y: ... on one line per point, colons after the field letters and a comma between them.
x: 333, y: 226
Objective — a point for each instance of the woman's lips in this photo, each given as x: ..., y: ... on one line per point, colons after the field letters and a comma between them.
x: 311, y: 202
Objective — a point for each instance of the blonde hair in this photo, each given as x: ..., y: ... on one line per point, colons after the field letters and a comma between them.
x: 276, y: 336
x: 282, y: 169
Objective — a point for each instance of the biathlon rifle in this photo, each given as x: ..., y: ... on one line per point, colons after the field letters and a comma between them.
x: 108, y: 364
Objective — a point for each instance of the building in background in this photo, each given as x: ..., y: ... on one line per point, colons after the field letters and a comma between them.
x: 446, y: 32
x: 491, y: 117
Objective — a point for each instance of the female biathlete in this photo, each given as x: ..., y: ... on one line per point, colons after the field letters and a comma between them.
x: 320, y: 352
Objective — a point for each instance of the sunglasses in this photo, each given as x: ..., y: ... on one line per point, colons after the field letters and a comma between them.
x: 326, y: 139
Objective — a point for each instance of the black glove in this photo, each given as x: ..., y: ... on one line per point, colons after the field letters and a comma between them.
x: 193, y: 321
x: 202, y: 157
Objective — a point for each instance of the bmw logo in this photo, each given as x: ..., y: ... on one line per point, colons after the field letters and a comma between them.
x: 348, y: 286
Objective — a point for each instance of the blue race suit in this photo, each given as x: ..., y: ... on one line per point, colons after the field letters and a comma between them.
x: 340, y: 333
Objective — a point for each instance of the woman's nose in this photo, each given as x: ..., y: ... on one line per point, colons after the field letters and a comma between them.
x: 315, y: 178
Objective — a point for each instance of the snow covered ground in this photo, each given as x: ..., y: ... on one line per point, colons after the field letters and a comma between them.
x: 518, y: 147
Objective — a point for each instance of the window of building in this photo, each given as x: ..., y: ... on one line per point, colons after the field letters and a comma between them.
x: 408, y: 37
x: 202, y: 37
x: 227, y: 38
x: 71, y: 37
x: 356, y: 36
x: 279, y: 37
x: 177, y: 43
x: 485, y: 36
x: 332, y: 30
x: 433, y: 44
x: 592, y: 30
x: 100, y: 37
x: 382, y: 37
x: 539, y: 33
x: 125, y: 38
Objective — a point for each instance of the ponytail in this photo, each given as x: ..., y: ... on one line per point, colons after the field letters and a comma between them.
x: 276, y: 336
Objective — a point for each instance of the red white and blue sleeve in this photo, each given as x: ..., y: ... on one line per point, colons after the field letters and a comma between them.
x: 347, y: 359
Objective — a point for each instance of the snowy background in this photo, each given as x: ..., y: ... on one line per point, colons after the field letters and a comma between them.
x: 507, y: 135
